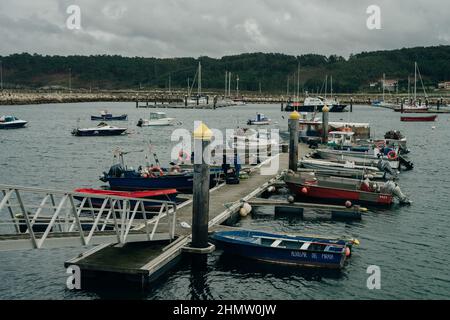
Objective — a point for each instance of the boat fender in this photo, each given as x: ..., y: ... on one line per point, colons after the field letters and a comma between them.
x: 348, y: 252
x: 305, y: 190
x: 348, y: 204
x: 271, y: 189
x: 245, y: 209
x: 290, y: 199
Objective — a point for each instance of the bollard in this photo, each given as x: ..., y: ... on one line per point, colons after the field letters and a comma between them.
x: 401, y: 106
x: 200, y: 202
x: 185, y: 101
x: 325, y: 115
x: 137, y: 103
x: 438, y: 104
x: 293, y: 140
x: 351, y: 104
x: 282, y: 106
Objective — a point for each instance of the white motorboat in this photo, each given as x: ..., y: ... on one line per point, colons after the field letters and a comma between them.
x: 157, y: 119
x: 11, y: 122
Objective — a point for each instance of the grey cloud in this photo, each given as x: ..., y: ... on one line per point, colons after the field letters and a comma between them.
x: 168, y: 28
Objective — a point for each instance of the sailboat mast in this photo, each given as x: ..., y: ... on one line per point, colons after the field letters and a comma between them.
x: 229, y: 84
x: 237, y: 86
x: 298, y: 81
x: 326, y: 85
x: 415, y: 81
x: 287, y: 87
x: 384, y: 81
x: 331, y: 87
x: 226, y: 82
x: 199, y: 78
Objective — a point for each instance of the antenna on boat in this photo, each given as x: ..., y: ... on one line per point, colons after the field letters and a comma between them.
x: 155, y: 156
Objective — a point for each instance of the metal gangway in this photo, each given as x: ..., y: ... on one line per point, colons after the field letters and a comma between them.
x: 34, y: 218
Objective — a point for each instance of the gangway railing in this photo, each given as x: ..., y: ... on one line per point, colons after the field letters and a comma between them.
x: 34, y: 217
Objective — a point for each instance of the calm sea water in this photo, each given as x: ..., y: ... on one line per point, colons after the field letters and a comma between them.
x: 409, y: 244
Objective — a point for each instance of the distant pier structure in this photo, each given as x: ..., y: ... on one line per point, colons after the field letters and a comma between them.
x: 183, y: 102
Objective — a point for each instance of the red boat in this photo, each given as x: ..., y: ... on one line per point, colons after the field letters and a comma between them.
x: 339, y: 190
x: 158, y: 195
x: 419, y: 119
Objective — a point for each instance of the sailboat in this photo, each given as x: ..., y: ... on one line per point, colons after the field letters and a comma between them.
x: 414, y: 105
x: 382, y: 102
x: 198, y: 99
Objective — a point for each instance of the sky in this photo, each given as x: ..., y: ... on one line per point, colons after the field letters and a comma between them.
x: 215, y: 28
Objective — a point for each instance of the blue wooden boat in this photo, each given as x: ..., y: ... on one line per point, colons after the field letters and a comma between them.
x: 155, y: 178
x: 285, y: 249
x: 106, y: 116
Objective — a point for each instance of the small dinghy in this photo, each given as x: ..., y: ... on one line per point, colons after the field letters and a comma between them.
x: 102, y: 129
x: 106, y: 116
x: 419, y: 119
x: 11, y: 122
x: 261, y: 119
x: 161, y: 195
x: 294, y: 250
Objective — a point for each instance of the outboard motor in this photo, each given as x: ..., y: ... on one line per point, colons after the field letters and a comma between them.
x: 406, y: 163
x: 384, y: 166
x: 140, y: 122
x: 390, y: 187
x: 116, y: 171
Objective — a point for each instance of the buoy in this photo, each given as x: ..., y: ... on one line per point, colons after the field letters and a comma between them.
x: 304, y: 190
x: 433, y: 127
x: 348, y: 204
x: 347, y: 252
x: 290, y: 199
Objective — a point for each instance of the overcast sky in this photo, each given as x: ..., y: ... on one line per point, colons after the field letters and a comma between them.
x: 174, y: 28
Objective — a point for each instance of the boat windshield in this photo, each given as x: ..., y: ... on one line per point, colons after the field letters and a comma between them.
x: 157, y: 116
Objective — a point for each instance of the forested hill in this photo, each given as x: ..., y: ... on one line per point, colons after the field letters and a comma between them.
x: 270, y: 70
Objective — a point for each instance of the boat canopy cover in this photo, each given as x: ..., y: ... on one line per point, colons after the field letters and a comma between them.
x: 129, y: 194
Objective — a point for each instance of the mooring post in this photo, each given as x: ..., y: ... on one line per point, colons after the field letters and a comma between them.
x: 137, y: 103
x: 200, y: 202
x: 281, y: 105
x: 293, y: 140
x: 325, y: 114
x: 351, y: 104
x: 401, y: 106
x: 438, y: 104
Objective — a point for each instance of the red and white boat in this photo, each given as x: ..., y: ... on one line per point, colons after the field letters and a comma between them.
x: 339, y: 190
x: 419, y: 119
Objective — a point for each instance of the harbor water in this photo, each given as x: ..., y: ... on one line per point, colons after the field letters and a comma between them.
x: 408, y: 243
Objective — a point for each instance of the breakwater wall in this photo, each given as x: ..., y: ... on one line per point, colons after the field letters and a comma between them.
x: 36, y: 97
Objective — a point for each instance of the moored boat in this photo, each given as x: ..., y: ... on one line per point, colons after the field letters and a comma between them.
x: 158, y: 195
x: 102, y: 129
x: 11, y: 122
x: 106, y: 116
x: 360, y: 158
x: 333, y: 189
x: 260, y: 119
x: 303, y: 251
x: 419, y: 119
x: 157, y: 119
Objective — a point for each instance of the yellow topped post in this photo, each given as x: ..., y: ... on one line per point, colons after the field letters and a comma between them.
x: 200, y: 202
x: 325, y: 114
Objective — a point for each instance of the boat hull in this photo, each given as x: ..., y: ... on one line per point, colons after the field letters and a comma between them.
x: 183, y: 183
x: 419, y: 119
x: 96, y: 133
x: 13, y: 125
x: 110, y: 118
x: 360, y: 159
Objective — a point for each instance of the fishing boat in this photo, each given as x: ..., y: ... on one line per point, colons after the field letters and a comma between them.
x: 308, y: 185
x: 11, y: 122
x: 302, y: 251
x: 419, y: 119
x: 313, y: 128
x: 159, y: 195
x: 360, y: 158
x: 106, y: 116
x: 157, y: 119
x: 153, y: 178
x: 102, y: 129
x: 249, y: 140
x: 348, y: 169
x: 261, y: 119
